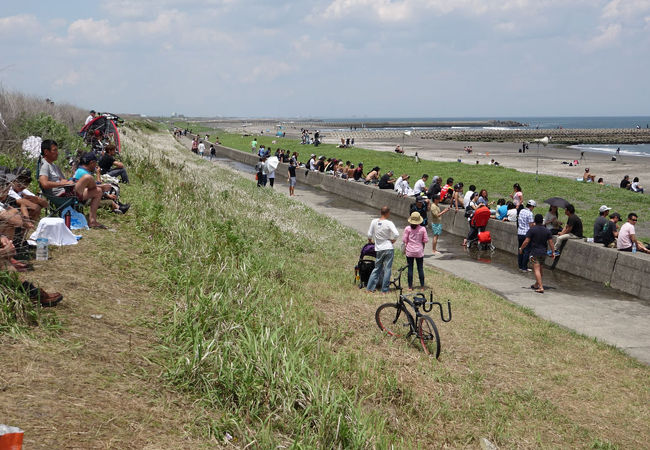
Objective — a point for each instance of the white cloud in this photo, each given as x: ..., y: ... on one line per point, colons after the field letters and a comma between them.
x: 608, y: 36
x: 626, y: 9
x: 266, y: 71
x: 21, y: 24
x: 72, y: 78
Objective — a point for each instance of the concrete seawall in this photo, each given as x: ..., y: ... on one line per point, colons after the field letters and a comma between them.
x: 623, y: 271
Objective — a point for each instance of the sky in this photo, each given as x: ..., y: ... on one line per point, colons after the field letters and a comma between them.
x: 332, y: 58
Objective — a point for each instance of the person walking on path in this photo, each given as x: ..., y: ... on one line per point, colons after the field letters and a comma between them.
x: 254, y: 145
x: 213, y: 152
x: 436, y: 223
x: 383, y: 234
x: 292, y: 177
x: 415, y: 238
x: 201, y: 149
x: 524, y: 222
x: 538, y: 238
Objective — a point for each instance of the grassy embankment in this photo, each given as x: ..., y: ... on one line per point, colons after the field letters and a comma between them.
x: 259, y: 325
x: 267, y: 328
x: 498, y: 181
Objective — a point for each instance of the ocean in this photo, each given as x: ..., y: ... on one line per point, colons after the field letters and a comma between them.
x: 541, y: 123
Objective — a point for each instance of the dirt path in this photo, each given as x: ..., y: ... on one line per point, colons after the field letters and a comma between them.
x: 93, y: 385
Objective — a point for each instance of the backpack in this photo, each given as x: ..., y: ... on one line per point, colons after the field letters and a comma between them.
x: 365, y: 268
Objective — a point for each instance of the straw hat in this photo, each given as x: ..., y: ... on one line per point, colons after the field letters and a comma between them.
x: 415, y: 219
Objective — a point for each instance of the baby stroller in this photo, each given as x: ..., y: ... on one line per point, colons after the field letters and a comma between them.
x: 365, y: 265
x: 477, y: 233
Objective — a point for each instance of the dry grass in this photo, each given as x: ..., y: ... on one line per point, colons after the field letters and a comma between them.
x: 93, y: 385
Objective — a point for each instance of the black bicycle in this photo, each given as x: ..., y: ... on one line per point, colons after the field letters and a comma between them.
x: 395, y: 319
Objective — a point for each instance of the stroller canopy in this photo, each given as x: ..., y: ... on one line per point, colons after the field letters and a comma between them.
x: 481, y: 216
x: 102, y: 130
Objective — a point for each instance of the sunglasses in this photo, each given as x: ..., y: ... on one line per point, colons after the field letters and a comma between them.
x: 634, y: 220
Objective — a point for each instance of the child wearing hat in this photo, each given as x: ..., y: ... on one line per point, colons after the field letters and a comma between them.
x: 415, y: 237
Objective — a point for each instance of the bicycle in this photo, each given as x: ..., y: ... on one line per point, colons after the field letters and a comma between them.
x: 393, y: 318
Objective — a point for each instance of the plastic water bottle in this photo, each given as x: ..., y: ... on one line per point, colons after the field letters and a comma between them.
x: 633, y: 247
x: 41, y: 249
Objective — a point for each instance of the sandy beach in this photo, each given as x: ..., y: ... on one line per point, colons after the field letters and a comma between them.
x: 551, y: 157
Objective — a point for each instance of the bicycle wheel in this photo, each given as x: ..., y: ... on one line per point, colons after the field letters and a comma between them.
x: 428, y: 335
x: 393, y: 319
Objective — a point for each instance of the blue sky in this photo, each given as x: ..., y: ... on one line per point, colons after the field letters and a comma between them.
x: 333, y: 58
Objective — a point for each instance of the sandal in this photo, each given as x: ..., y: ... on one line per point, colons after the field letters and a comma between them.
x: 534, y: 286
x: 539, y: 291
x: 98, y: 226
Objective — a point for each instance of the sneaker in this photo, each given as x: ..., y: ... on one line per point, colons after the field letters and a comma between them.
x: 529, y: 270
x: 125, y: 207
x: 117, y: 211
x: 557, y: 253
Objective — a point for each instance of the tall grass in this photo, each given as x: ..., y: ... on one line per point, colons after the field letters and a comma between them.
x: 241, y: 333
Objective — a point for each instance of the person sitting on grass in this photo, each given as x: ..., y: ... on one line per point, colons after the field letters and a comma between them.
x: 588, y: 177
x: 11, y: 221
x: 88, y: 166
x: 30, y: 205
x: 387, y: 181
x: 538, y: 238
x: 627, y: 240
x: 7, y: 251
x: 54, y: 184
x: 635, y: 186
x: 625, y: 182
x: 108, y: 164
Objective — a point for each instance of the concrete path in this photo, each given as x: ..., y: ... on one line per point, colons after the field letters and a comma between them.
x: 572, y: 302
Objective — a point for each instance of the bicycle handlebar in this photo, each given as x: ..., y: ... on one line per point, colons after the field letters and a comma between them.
x: 442, y: 315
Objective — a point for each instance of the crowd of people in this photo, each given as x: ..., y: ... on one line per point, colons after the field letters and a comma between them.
x: 93, y: 182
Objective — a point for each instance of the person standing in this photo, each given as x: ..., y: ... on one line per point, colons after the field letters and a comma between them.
x: 415, y: 237
x: 436, y: 223
x: 383, y: 234
x: 292, y: 177
x: 195, y: 145
x: 538, y: 238
x: 254, y: 145
x: 524, y: 222
x: 213, y: 152
x: 517, y: 196
x: 201, y: 149
x: 271, y: 176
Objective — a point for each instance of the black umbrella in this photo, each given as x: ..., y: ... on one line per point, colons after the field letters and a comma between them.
x: 557, y: 201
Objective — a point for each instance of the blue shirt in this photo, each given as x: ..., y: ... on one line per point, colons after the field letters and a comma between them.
x: 80, y: 172
x: 502, y: 211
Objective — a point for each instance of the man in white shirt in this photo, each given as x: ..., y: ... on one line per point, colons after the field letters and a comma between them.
x: 92, y: 115
x: 421, y: 185
x: 627, y: 236
x: 201, y: 149
x: 526, y: 219
x: 383, y: 233
x: 468, y: 195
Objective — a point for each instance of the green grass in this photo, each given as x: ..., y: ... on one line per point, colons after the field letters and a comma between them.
x: 498, y: 181
x: 263, y: 326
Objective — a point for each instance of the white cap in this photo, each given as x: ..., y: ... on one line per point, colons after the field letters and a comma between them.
x: 531, y: 203
x: 604, y: 208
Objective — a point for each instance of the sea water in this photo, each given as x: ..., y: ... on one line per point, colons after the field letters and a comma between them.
x: 626, y: 149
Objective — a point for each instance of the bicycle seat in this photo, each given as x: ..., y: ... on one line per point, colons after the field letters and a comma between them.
x: 419, y: 300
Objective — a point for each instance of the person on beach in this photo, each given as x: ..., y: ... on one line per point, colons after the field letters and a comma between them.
x: 524, y: 222
x: 414, y: 239
x: 635, y: 186
x: 625, y: 182
x: 627, y: 241
x: 588, y: 177
x: 600, y: 222
x: 421, y: 185
x: 292, y: 178
x: 551, y: 220
x: 383, y: 234
x: 399, y: 150
x: 436, y: 222
x: 610, y: 230
x: 517, y: 196
x: 538, y: 238
x: 572, y: 229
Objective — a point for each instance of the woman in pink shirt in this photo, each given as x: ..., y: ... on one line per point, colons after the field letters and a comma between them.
x: 415, y: 237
